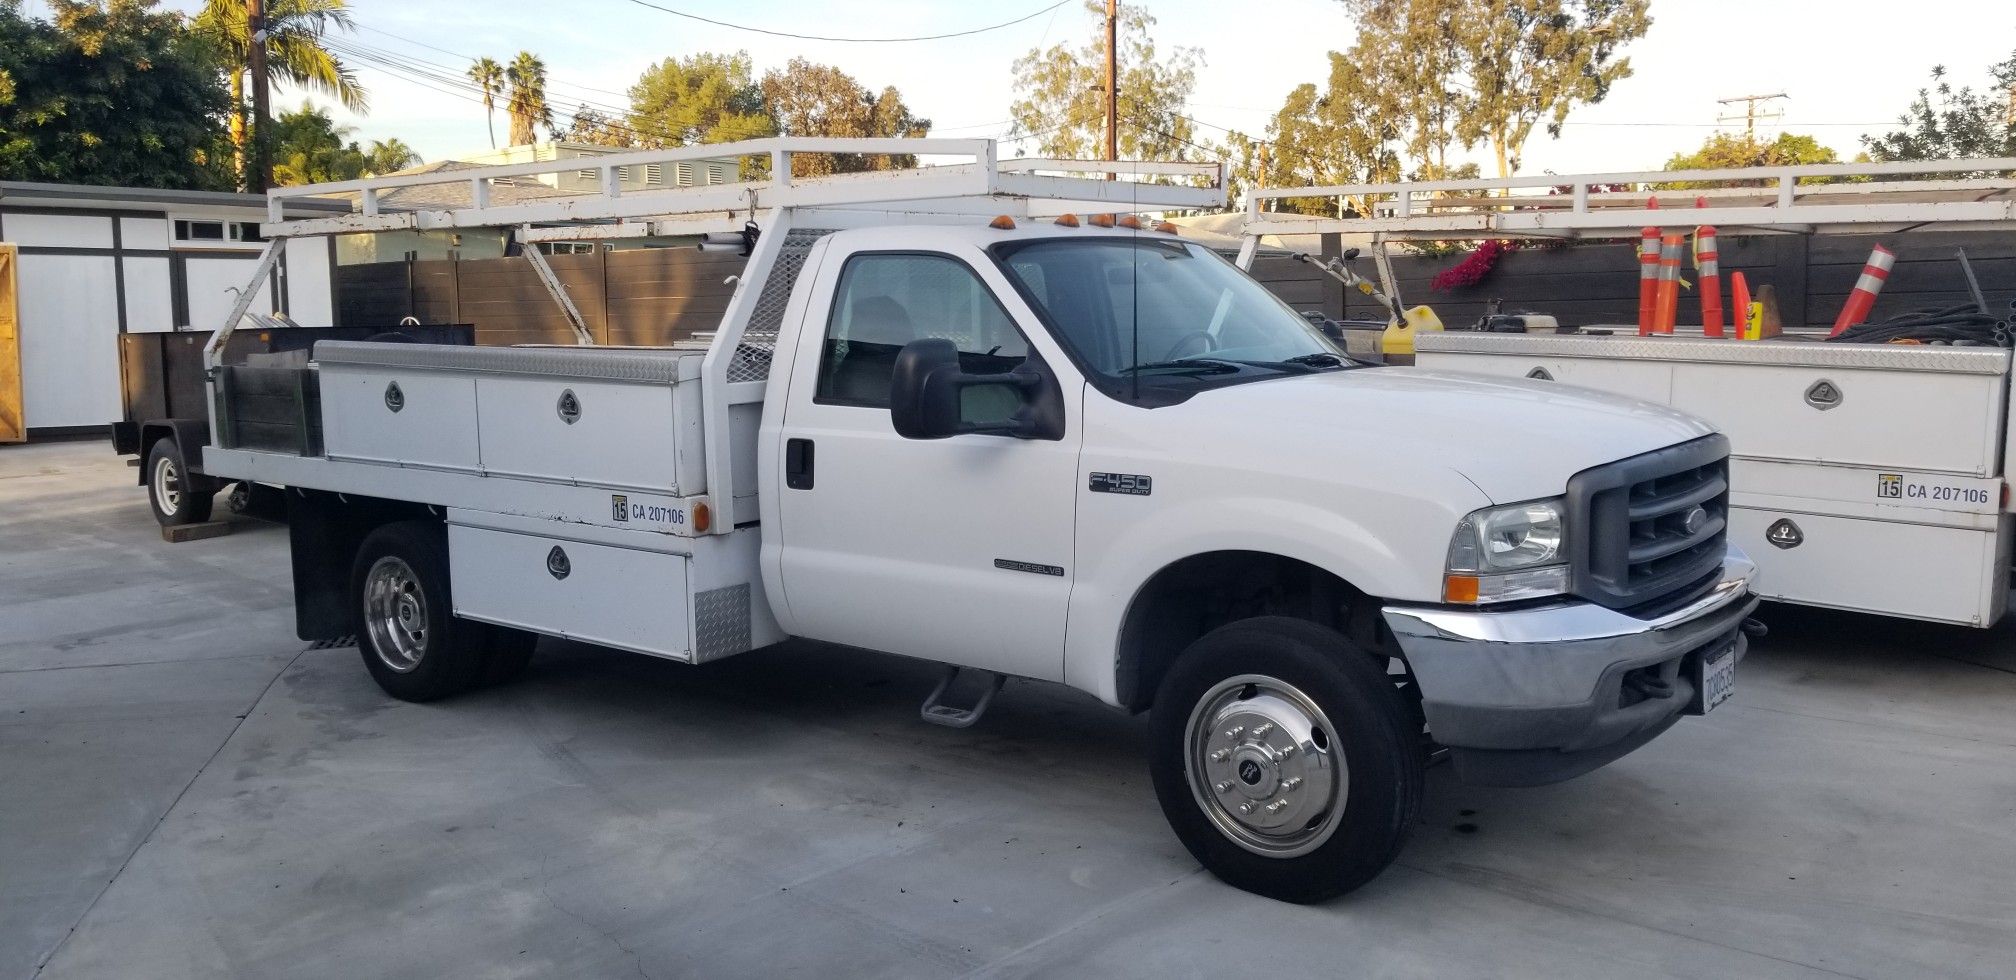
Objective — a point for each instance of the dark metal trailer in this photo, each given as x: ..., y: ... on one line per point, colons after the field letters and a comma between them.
x: 166, y: 415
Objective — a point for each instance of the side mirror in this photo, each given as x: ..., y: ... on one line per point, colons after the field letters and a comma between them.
x: 929, y: 392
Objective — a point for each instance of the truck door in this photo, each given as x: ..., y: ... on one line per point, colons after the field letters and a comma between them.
x: 955, y: 549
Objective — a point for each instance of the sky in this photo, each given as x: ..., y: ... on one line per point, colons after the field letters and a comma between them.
x: 1847, y: 67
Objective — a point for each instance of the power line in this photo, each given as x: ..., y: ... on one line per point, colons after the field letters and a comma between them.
x: 465, y: 57
x: 851, y: 40
x: 450, y: 74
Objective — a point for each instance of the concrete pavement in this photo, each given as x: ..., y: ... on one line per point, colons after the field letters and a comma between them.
x: 186, y: 792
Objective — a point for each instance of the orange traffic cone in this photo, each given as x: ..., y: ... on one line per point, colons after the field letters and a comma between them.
x: 1648, y: 280
x: 1670, y: 247
x: 1874, y: 273
x: 1708, y: 269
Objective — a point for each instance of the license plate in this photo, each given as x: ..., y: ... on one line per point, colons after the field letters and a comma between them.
x: 1717, y: 678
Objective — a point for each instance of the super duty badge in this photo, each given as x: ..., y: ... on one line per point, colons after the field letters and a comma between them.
x: 1132, y: 484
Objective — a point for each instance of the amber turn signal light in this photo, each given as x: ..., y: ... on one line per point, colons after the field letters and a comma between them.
x: 1459, y: 588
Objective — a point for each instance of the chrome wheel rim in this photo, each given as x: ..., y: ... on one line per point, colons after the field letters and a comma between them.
x: 395, y: 613
x: 167, y: 484
x: 1264, y: 764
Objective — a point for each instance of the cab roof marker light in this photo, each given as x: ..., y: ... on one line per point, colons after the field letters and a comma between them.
x: 1130, y: 221
x: 1101, y: 221
x: 1003, y: 222
x: 1166, y: 227
x: 1068, y: 220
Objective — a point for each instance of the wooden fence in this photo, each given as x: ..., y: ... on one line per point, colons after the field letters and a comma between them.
x: 660, y: 295
x: 648, y: 296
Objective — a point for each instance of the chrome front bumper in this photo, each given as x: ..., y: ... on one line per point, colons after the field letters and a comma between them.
x: 1535, y: 695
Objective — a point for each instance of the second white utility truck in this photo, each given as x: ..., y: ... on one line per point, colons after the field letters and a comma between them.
x: 963, y: 413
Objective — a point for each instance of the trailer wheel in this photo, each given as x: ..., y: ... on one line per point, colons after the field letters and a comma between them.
x: 175, y: 495
x: 1282, y: 757
x: 411, y: 641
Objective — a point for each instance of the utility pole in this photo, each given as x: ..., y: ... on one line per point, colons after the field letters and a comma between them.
x: 1750, y: 115
x: 258, y: 161
x: 1112, y: 82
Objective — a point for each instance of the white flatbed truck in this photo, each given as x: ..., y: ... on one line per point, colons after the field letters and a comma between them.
x: 1053, y: 445
x: 1864, y: 477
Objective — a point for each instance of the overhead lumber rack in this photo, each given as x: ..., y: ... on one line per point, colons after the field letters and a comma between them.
x: 1818, y: 198
x: 975, y: 181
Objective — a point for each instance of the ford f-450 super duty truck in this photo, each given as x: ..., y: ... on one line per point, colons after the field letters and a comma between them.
x: 979, y: 414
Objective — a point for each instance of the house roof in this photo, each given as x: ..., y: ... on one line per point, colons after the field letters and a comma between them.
x: 21, y: 193
x: 454, y: 195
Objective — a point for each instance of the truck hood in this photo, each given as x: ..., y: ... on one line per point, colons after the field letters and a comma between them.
x: 1515, y: 439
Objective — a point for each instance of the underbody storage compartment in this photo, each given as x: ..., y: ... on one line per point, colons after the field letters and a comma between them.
x: 688, y: 599
x: 616, y: 596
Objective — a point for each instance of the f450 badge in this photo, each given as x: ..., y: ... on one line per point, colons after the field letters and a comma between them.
x: 1131, y: 484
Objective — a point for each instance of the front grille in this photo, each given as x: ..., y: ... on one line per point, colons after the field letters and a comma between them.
x: 1644, y: 527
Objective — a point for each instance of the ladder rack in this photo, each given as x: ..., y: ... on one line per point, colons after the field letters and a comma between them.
x: 976, y: 182
x: 1814, y: 199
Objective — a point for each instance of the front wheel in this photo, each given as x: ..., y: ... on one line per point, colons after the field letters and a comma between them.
x: 1282, y: 757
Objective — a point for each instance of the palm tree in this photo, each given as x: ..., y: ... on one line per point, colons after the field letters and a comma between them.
x: 385, y: 156
x: 488, y: 76
x: 295, y: 54
x: 527, y: 75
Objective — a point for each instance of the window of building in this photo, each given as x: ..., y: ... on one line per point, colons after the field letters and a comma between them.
x: 215, y: 233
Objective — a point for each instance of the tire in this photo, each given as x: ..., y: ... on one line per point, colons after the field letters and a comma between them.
x: 175, y: 495
x: 412, y: 643
x: 1292, y: 682
x: 506, y: 652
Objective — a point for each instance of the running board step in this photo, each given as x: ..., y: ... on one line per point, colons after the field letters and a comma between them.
x: 938, y: 713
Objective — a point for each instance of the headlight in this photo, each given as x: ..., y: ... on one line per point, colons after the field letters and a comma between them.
x: 1511, y: 552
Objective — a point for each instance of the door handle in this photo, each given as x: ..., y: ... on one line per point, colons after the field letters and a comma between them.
x: 798, y: 464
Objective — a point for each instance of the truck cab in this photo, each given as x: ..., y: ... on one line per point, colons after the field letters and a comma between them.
x: 1080, y: 450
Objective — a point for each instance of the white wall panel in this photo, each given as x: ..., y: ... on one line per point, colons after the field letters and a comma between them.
x: 69, y: 339
x: 310, y: 300
x: 143, y: 233
x: 150, y: 297
x: 26, y: 228
x: 211, y: 279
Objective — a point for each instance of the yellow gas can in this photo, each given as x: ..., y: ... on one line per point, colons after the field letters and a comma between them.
x: 1399, y: 336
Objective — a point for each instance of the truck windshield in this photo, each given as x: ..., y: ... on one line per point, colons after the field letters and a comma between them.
x: 1144, y: 311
